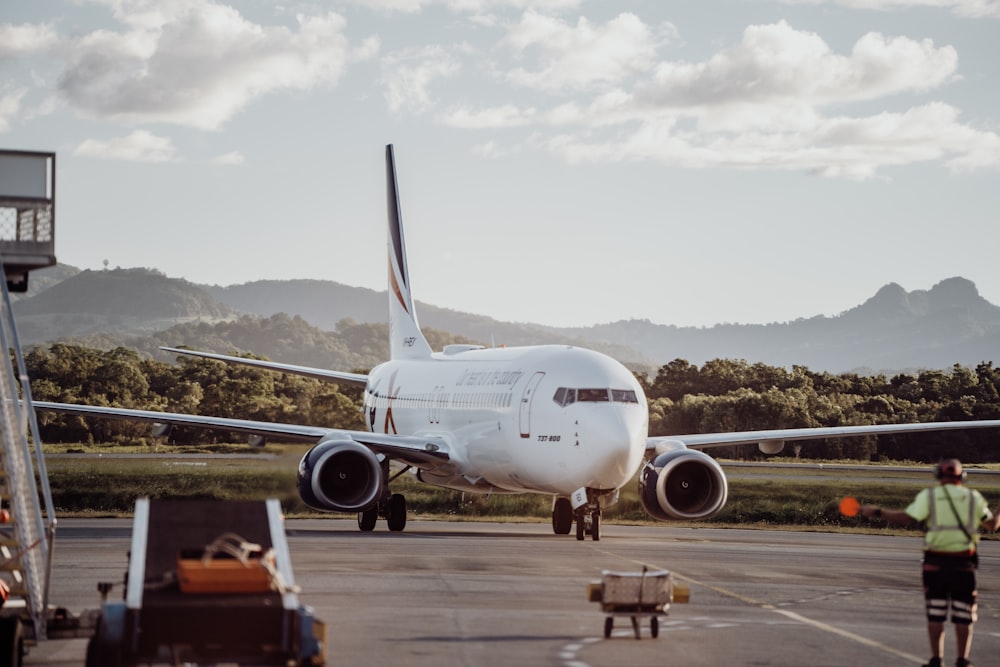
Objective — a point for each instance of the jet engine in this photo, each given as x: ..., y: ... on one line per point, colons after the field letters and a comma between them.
x: 683, y: 484
x: 340, y: 475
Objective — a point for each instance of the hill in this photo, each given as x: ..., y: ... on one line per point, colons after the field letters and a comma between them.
x: 891, y: 331
x: 116, y: 302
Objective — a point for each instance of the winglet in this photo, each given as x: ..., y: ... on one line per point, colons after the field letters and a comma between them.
x: 405, y: 339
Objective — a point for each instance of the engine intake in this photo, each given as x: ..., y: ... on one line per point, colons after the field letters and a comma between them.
x: 683, y: 485
x: 340, y: 475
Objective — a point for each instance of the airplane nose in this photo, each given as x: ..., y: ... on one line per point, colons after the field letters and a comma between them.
x: 615, y: 445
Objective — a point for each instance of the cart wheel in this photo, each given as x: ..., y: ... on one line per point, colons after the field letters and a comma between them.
x: 654, y: 627
x: 609, y: 623
x: 11, y: 642
x: 595, y: 526
x: 101, y: 652
x: 105, y: 648
x: 579, y: 528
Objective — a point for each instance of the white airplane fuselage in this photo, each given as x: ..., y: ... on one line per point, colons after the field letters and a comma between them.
x: 546, y: 419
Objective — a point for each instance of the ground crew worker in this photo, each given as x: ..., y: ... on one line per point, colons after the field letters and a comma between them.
x: 953, y: 514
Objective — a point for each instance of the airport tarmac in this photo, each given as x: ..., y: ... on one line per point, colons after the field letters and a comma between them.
x: 484, y: 594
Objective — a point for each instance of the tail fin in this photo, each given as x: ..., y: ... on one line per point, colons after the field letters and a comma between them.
x: 405, y: 339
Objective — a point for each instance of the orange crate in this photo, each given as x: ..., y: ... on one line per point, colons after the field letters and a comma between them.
x: 222, y: 575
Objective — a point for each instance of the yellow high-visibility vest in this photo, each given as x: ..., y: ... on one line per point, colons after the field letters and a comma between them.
x: 944, y: 524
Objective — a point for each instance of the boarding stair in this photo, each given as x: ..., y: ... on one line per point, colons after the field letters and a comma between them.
x: 27, y: 522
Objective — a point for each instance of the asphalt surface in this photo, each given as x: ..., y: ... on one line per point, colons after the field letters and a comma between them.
x: 483, y: 594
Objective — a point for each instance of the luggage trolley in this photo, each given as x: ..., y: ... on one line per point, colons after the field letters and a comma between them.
x: 637, y: 595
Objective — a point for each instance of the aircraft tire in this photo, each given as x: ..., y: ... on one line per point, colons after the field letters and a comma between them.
x: 562, y: 517
x: 367, y: 519
x: 396, y: 516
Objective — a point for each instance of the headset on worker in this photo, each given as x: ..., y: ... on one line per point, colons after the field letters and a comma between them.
x: 950, y: 469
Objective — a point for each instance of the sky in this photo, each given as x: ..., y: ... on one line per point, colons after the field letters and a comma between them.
x: 563, y: 162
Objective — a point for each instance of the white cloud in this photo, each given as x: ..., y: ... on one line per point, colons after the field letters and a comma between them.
x: 580, y: 56
x: 10, y: 106
x: 762, y: 103
x: 26, y: 39
x: 837, y: 146
x: 407, y: 76
x: 776, y: 64
x: 197, y: 62
x: 507, y: 115
x: 230, y: 158
x: 139, y: 146
x: 969, y: 8
x: 414, y: 6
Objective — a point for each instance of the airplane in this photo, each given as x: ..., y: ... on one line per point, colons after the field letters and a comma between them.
x: 558, y: 420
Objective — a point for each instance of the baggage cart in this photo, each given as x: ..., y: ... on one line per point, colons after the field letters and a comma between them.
x: 636, y: 595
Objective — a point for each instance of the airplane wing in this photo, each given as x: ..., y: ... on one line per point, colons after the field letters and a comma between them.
x: 357, y: 379
x: 420, y: 452
x: 770, y: 441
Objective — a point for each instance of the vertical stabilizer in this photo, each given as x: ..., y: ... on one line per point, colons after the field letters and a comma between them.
x: 405, y: 339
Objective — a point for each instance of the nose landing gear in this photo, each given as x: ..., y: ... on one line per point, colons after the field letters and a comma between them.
x: 587, y: 517
x: 588, y: 522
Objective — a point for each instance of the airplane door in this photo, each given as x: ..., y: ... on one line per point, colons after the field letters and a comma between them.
x: 526, y: 398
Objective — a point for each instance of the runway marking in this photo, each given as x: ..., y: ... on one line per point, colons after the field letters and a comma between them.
x: 819, y: 625
x: 568, y: 654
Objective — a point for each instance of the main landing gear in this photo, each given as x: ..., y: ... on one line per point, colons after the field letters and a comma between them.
x: 587, y: 519
x: 391, y: 507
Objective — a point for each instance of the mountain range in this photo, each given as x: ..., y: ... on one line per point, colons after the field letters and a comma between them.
x: 892, y: 331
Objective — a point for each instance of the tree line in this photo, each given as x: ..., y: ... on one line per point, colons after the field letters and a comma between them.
x: 720, y: 395
x: 731, y: 395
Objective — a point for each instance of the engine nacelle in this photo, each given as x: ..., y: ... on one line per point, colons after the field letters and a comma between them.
x: 340, y: 475
x: 683, y: 484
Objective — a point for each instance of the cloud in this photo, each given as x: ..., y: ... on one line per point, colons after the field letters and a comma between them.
x: 582, y: 56
x: 25, y: 39
x: 230, y: 158
x: 197, y: 62
x: 139, y: 146
x: 764, y: 102
x: 967, y: 8
x: 776, y: 64
x: 10, y: 106
x: 407, y: 76
x: 468, y: 6
x: 839, y: 146
x: 504, y: 116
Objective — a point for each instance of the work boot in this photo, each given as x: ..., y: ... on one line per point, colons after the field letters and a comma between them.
x: 933, y: 662
x: 963, y: 662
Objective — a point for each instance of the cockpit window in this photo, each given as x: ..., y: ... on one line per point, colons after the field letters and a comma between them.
x: 623, y: 396
x: 593, y: 395
x: 568, y: 395
x: 564, y: 396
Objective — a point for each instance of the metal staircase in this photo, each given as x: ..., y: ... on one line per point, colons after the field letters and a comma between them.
x: 27, y: 529
x: 27, y: 522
